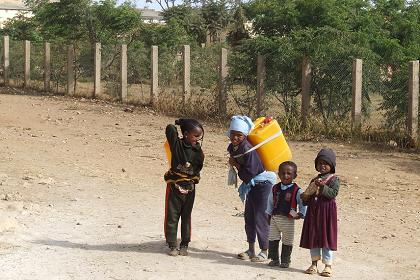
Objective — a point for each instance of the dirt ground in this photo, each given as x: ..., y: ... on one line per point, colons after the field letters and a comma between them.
x: 82, y: 197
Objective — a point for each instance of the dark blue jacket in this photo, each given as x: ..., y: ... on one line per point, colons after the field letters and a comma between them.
x: 250, y: 163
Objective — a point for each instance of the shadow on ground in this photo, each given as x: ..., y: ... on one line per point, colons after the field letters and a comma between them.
x: 158, y: 247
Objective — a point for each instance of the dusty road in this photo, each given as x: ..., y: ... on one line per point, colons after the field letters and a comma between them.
x: 82, y: 197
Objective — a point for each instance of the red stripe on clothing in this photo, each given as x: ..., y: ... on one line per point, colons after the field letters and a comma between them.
x: 168, y: 190
x: 190, y: 226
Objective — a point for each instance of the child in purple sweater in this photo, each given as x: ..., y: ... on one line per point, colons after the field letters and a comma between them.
x: 255, y: 188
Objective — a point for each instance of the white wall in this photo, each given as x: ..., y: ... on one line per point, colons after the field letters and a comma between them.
x: 7, y: 14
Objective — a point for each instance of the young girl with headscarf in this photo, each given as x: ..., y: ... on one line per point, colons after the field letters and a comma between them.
x: 255, y: 188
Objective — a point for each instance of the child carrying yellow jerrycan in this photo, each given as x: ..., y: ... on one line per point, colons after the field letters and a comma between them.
x: 267, y: 137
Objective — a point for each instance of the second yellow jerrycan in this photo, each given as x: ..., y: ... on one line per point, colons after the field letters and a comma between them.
x: 275, y: 150
x: 168, y: 152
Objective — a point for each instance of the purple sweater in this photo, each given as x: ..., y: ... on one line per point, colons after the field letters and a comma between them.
x: 250, y: 163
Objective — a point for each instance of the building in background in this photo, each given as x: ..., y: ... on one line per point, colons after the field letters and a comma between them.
x: 11, y: 8
x: 151, y: 16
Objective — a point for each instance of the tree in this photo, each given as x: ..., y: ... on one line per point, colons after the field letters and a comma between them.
x: 190, y: 18
x: 319, y: 30
x: 22, y: 28
x: 216, y: 17
x: 238, y: 31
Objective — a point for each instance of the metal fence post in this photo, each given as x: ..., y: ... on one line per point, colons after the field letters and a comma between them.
x: 223, y: 72
x: 306, y: 84
x: 97, y: 72
x: 123, y: 73
x: 413, y: 100
x: 187, y: 72
x: 27, y: 63
x: 70, y: 70
x: 47, y: 66
x: 154, y: 75
x: 356, y: 112
x: 6, y: 60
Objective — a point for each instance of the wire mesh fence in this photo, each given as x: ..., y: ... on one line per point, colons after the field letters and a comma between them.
x: 110, y: 71
x: 171, y: 95
x: 384, y: 87
x: 37, y: 67
x: 394, y: 94
x: 16, y: 60
x: 58, y: 68
x: 387, y: 87
x: 372, y: 88
x: 84, y: 69
x: 282, y: 87
x: 331, y: 91
x: 242, y: 81
x: 138, y: 73
x: 204, y: 80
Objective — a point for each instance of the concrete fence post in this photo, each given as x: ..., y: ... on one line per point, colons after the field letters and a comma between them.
x: 223, y: 73
x: 47, y: 66
x: 187, y: 72
x: 6, y: 60
x: 70, y: 70
x: 97, y: 72
x: 154, y: 75
x: 123, y: 73
x: 27, y: 63
x: 356, y: 111
x: 306, y: 84
x: 413, y: 100
x: 260, y: 83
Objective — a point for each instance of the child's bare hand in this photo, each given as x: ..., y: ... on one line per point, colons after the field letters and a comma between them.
x: 232, y: 161
x: 318, y: 182
x: 299, y: 216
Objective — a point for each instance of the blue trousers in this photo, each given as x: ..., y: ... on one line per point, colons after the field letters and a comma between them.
x: 327, y: 255
x: 256, y: 220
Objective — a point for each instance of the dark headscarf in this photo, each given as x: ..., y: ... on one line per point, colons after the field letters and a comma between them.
x: 328, y: 156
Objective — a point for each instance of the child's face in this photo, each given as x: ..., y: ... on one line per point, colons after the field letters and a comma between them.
x: 287, y: 174
x: 236, y: 137
x: 193, y: 136
x: 323, y: 167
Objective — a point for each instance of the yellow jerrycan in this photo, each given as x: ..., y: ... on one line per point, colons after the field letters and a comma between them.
x: 273, y: 148
x: 168, y: 152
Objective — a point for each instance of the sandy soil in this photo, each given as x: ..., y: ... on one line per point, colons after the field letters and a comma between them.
x: 82, y: 197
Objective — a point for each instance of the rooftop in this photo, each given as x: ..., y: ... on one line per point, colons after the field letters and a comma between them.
x: 12, y: 5
x: 150, y: 14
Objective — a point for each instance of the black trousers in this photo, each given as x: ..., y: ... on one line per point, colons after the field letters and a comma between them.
x: 178, y: 205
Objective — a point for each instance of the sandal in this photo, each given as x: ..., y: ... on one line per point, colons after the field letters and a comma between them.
x: 261, y: 257
x: 312, y: 269
x: 327, y: 272
x: 245, y: 255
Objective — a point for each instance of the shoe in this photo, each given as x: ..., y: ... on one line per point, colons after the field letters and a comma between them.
x: 312, y: 269
x: 245, y: 255
x: 286, y: 252
x: 284, y: 265
x: 327, y: 272
x: 274, y: 263
x: 183, y: 251
x: 261, y: 257
x: 173, y: 252
x: 273, y: 250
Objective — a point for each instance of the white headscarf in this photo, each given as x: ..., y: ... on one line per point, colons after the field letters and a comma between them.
x: 242, y: 124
